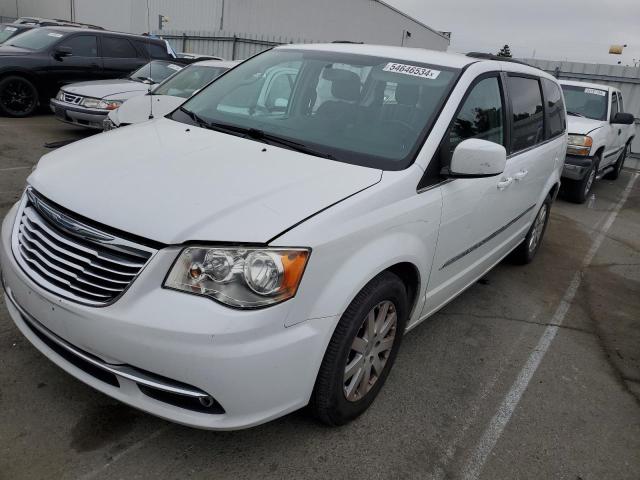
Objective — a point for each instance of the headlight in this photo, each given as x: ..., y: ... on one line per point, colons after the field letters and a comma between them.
x: 60, y: 95
x: 240, y: 277
x: 91, y: 102
x: 109, y: 104
x: 579, y: 145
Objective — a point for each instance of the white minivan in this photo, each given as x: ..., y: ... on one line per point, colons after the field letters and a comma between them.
x: 243, y: 256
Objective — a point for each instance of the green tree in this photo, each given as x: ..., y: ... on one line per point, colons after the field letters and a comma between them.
x: 505, y: 52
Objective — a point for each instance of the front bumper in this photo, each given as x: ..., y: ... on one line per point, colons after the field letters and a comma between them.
x: 254, y: 367
x: 575, y: 167
x: 77, y: 115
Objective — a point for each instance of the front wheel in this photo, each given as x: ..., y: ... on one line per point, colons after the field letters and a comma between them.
x: 577, y: 191
x: 361, y: 352
x: 526, y: 251
x: 18, y: 97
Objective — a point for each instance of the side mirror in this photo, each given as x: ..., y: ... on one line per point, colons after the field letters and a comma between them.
x: 62, y: 52
x: 474, y: 158
x: 623, y: 118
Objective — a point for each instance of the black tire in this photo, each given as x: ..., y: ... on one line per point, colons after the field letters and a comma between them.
x: 329, y: 401
x: 18, y: 96
x: 577, y: 191
x: 615, y: 173
x: 526, y: 251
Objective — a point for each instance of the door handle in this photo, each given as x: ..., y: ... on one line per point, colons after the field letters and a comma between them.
x: 520, y: 175
x: 94, y: 66
x: 504, y: 183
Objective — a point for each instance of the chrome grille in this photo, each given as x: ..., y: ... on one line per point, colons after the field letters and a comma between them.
x: 72, y: 259
x: 70, y: 98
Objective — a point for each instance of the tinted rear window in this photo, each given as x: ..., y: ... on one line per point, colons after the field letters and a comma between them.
x: 153, y: 50
x: 528, y: 117
x: 118, y: 48
x: 556, y: 122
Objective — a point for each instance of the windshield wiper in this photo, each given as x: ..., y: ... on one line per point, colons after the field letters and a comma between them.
x: 143, y: 80
x: 256, y: 134
x: 575, y: 114
x: 290, y: 144
x: 201, y: 122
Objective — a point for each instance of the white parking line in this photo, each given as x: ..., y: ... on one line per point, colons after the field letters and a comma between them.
x: 492, y: 433
x: 8, y: 169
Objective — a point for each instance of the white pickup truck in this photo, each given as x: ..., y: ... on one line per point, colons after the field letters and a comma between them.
x: 600, y: 135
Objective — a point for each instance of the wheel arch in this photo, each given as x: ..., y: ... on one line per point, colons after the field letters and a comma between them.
x: 409, y: 273
x: 334, y: 284
x: 27, y: 75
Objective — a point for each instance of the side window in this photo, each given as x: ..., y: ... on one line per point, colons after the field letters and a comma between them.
x: 614, y: 105
x: 481, y: 115
x: 528, y: 117
x: 82, y: 45
x: 156, y: 51
x: 554, y: 107
x: 279, y: 92
x: 620, y: 106
x: 113, y: 47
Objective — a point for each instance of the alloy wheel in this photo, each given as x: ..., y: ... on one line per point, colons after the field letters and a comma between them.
x: 370, y: 350
x: 538, y: 228
x: 17, y: 97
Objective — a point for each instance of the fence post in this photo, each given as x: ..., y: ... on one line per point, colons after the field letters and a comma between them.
x: 184, y: 42
x: 233, y: 49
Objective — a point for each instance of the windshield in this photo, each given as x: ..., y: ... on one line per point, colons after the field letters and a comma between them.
x: 585, y: 102
x: 186, y: 82
x: 358, y: 109
x: 155, y: 71
x: 36, y: 39
x: 6, y: 32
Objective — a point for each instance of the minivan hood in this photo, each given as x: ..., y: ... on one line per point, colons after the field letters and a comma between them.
x: 105, y: 88
x: 582, y: 125
x: 171, y: 182
x: 138, y: 109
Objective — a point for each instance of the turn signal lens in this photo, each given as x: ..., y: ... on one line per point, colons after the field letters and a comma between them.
x: 579, y: 145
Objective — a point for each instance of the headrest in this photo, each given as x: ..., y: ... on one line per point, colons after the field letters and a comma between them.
x: 407, y: 94
x: 345, y: 85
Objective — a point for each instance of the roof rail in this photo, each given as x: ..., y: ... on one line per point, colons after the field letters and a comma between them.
x: 347, y: 41
x: 490, y: 56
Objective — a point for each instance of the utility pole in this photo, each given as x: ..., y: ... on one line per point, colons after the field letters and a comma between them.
x: 222, y: 16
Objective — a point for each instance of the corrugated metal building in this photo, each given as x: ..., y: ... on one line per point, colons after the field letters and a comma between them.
x: 627, y: 79
x: 369, y: 21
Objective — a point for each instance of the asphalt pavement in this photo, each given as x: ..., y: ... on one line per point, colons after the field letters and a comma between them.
x: 532, y: 373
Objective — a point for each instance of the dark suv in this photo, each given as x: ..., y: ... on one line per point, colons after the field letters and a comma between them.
x: 35, y: 64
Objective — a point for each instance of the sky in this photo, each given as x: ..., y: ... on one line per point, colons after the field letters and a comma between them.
x: 574, y: 30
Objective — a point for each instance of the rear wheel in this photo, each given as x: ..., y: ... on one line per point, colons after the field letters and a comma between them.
x: 613, y: 175
x: 18, y: 96
x: 361, y: 352
x: 577, y: 191
x: 526, y: 251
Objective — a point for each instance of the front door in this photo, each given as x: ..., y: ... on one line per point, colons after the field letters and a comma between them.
x: 83, y: 64
x: 484, y: 218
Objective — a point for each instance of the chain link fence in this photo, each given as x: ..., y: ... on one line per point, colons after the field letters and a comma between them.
x: 228, y: 45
